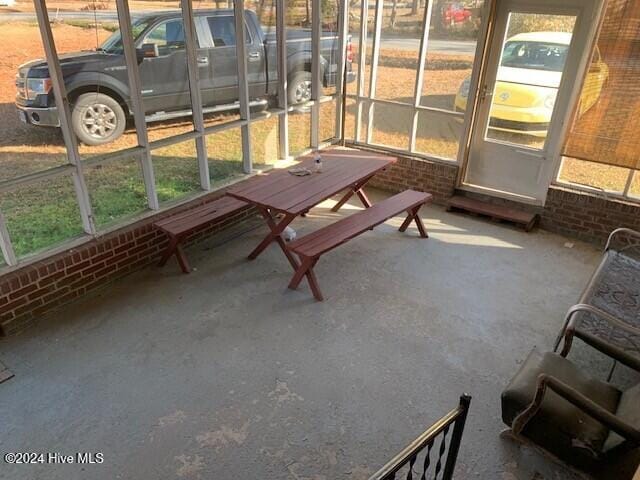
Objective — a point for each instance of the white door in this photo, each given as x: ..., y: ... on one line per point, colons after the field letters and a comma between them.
x: 535, y: 57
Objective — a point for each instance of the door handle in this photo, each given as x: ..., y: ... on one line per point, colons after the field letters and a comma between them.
x: 203, y: 60
x: 485, y: 93
x: 254, y: 55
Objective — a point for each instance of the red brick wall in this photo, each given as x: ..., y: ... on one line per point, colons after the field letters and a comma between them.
x: 438, y: 179
x: 571, y: 212
x: 587, y: 216
x: 42, y: 287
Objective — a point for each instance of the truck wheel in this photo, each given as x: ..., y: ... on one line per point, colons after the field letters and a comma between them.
x: 299, y: 88
x: 97, y: 118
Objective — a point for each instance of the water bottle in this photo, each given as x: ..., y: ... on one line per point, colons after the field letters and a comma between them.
x: 317, y: 161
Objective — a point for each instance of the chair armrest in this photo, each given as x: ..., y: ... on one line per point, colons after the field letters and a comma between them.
x: 625, y: 232
x: 594, y: 341
x: 574, y: 397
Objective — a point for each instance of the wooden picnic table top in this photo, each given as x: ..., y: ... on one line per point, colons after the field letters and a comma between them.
x: 279, y: 190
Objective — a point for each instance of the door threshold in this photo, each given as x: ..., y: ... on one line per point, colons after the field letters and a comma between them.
x: 528, y: 220
x: 492, y: 192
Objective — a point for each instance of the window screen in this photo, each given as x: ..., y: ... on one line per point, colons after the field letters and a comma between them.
x: 223, y: 31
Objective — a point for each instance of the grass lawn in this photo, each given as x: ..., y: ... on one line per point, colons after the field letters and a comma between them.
x: 45, y: 214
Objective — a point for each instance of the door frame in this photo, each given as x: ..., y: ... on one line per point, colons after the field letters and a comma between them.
x: 478, y: 78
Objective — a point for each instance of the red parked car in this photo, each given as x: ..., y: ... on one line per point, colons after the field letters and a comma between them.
x: 452, y: 13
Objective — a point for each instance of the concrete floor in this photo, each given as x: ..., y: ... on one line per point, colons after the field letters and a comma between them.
x: 226, y: 374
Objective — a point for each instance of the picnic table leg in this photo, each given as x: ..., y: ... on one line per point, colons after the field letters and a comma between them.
x: 412, y: 215
x: 363, y: 198
x: 274, y: 235
x: 355, y: 189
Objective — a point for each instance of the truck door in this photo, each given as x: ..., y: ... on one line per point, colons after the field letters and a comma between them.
x: 220, y: 81
x: 165, y: 82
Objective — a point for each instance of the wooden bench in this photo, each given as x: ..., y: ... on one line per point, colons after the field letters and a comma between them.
x: 178, y: 227
x: 310, y: 247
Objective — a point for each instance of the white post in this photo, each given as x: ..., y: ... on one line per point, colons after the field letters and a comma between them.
x: 133, y: 75
x: 316, y: 77
x: 424, y: 43
x: 194, y: 90
x: 64, y: 114
x: 375, y: 53
x: 243, y: 86
x: 281, y: 47
x: 343, y: 32
x: 5, y: 243
x: 362, y: 60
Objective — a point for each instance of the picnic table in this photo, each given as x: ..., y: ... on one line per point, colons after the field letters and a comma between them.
x: 280, y: 192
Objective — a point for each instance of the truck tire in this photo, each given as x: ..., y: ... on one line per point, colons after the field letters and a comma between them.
x: 299, y: 87
x: 97, y: 118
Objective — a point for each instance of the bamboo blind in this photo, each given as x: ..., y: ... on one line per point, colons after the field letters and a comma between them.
x: 609, y: 130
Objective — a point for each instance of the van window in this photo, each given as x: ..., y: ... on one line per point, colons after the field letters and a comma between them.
x: 223, y: 31
x: 168, y: 36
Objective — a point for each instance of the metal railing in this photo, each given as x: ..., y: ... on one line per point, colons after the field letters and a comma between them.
x: 415, y: 460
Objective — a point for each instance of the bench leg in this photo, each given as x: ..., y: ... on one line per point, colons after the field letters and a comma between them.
x: 171, y: 248
x: 412, y: 215
x: 182, y: 259
x: 174, y: 247
x: 306, y: 269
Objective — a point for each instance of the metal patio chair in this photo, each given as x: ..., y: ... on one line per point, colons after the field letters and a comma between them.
x: 608, y: 314
x: 582, y: 421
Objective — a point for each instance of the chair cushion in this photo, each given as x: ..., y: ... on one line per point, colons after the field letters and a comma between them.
x: 629, y: 412
x: 560, y: 427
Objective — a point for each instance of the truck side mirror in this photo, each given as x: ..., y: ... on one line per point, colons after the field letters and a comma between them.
x: 148, y: 50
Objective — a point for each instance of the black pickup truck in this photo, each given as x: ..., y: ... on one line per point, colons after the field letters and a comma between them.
x: 97, y: 86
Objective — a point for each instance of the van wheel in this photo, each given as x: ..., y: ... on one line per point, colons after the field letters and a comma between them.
x: 299, y: 88
x: 97, y: 119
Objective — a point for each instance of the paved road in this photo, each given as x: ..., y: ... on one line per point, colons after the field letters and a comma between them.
x: 399, y: 43
x: 465, y: 47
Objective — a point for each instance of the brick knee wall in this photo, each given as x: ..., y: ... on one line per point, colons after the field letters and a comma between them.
x: 439, y: 179
x: 40, y: 288
x: 574, y: 213
x: 587, y: 216
x: 44, y: 286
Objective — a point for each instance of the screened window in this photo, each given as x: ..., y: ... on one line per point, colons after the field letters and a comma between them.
x: 223, y: 31
x: 168, y: 37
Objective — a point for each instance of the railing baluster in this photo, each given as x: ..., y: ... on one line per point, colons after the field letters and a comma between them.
x: 409, y: 456
x: 443, y: 448
x: 427, y: 460
x: 412, y: 461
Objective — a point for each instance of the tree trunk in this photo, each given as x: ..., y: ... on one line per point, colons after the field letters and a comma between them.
x: 394, y: 12
x: 414, y: 7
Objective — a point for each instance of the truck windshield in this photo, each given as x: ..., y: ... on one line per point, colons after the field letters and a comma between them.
x: 113, y: 44
x: 534, y: 55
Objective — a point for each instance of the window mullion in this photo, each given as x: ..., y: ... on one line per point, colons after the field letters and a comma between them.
x: 422, y: 62
x: 194, y: 91
x: 64, y: 115
x: 133, y: 74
